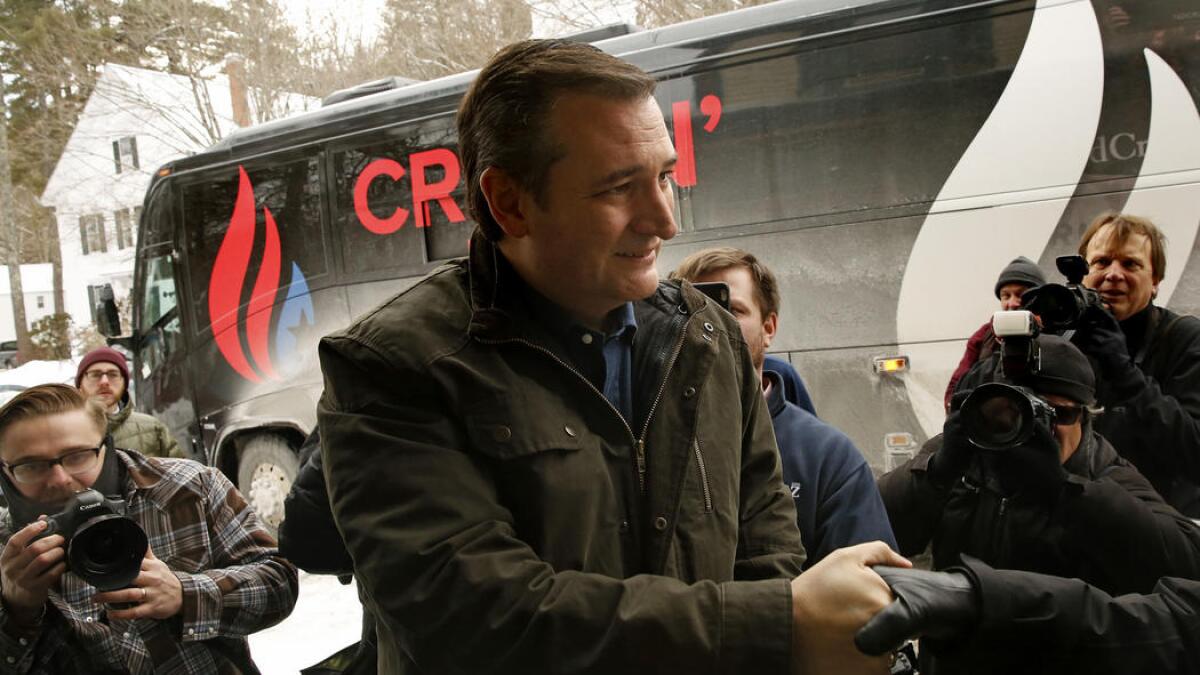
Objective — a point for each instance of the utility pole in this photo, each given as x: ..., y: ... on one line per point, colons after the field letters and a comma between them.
x: 8, y: 226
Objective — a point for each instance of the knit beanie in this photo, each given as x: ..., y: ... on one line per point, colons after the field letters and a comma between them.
x: 1021, y: 270
x: 102, y: 355
x: 1064, y: 371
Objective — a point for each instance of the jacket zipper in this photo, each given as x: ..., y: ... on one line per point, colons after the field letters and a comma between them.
x: 708, y: 507
x: 639, y: 441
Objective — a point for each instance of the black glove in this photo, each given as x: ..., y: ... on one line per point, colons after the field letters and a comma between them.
x: 956, y: 453
x: 942, y: 605
x: 1033, y: 468
x: 1100, y: 337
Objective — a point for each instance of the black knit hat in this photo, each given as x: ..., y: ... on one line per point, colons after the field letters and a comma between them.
x: 1021, y: 270
x: 1064, y: 371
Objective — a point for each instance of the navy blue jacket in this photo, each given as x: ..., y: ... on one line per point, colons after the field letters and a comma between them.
x: 837, y: 501
x: 794, y: 390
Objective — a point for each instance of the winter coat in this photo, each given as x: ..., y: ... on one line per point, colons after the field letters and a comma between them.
x: 1153, y: 417
x: 1108, y: 526
x: 502, y: 515
x: 1032, y: 623
x: 980, y: 346
x: 141, y: 432
x: 837, y: 501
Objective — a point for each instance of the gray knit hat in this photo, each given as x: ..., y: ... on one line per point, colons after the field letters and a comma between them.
x: 1021, y: 270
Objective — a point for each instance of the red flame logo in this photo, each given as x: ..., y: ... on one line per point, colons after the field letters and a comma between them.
x: 229, y: 278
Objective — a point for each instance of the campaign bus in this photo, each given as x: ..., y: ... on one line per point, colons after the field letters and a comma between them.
x: 886, y: 159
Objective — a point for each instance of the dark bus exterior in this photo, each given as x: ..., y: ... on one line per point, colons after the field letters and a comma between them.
x: 886, y: 159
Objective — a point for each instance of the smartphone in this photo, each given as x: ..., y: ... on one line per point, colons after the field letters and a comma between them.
x: 717, y: 290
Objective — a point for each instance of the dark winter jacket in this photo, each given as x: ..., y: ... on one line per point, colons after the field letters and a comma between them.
x: 1153, y: 417
x: 794, y: 391
x: 1108, y: 526
x: 503, y: 515
x: 1032, y: 623
x: 837, y: 501
x: 309, y: 538
x: 980, y: 346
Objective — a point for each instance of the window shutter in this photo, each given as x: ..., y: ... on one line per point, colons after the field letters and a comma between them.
x: 133, y: 147
x: 117, y: 156
x: 83, y: 233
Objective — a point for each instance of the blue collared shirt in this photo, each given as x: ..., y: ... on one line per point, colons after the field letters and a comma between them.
x: 604, y: 358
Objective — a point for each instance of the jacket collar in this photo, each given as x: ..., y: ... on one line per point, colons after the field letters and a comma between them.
x: 775, y: 399
x: 156, y: 479
x: 499, y: 309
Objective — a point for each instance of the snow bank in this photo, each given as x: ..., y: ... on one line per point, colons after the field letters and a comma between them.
x: 40, y: 372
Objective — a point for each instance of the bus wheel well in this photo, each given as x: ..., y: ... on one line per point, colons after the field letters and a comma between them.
x: 232, y: 447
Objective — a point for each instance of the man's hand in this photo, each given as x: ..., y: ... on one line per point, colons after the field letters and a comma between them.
x: 831, y: 601
x: 953, y: 458
x: 156, y: 593
x: 1100, y: 337
x: 29, y: 569
x: 941, y: 605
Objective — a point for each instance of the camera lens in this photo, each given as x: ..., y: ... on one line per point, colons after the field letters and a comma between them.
x: 107, y: 551
x: 1056, y: 305
x: 997, y: 416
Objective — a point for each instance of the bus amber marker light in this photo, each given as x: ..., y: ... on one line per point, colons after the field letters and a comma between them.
x: 890, y: 365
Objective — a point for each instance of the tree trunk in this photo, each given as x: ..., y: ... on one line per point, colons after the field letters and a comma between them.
x: 8, y: 226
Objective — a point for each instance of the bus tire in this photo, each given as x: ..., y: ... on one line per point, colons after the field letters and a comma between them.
x: 267, y: 467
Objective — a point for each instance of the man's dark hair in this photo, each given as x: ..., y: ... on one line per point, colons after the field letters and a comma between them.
x: 504, y: 118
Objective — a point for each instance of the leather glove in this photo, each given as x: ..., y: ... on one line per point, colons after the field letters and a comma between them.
x: 956, y: 453
x: 1100, y: 337
x: 942, y: 605
x: 1034, y: 468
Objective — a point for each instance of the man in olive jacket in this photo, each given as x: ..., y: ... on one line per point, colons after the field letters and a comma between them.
x: 543, y: 460
x: 103, y: 374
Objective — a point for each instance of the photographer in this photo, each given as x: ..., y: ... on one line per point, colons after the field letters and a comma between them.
x: 170, y: 579
x: 985, y: 620
x: 1147, y: 358
x: 1060, y: 502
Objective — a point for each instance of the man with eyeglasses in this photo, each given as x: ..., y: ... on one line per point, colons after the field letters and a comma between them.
x: 1061, y: 503
x: 103, y: 374
x: 211, y: 575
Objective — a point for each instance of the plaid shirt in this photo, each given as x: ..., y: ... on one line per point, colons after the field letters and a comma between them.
x: 234, y: 583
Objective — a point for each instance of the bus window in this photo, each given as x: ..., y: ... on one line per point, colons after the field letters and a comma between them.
x: 401, y: 200
x: 158, y: 284
x: 290, y: 192
x: 841, y: 126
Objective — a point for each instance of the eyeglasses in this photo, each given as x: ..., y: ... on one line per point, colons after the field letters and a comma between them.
x: 1066, y: 415
x: 97, y: 375
x: 38, y: 470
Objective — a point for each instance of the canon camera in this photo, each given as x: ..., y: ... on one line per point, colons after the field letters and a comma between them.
x: 999, y: 416
x: 105, y: 547
x: 1061, y: 306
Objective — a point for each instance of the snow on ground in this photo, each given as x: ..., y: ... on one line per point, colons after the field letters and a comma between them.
x: 34, y: 372
x: 327, y: 618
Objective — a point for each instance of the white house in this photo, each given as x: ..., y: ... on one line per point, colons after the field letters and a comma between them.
x: 135, y: 121
x: 37, y: 285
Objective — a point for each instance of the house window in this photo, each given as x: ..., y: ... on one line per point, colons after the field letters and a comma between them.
x: 41, y: 299
x: 123, y: 229
x: 125, y: 153
x: 91, y: 233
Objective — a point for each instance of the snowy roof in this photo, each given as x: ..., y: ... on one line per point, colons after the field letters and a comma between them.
x: 37, y: 278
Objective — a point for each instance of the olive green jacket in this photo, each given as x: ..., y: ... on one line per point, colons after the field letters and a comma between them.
x: 503, y: 517
x: 141, y: 432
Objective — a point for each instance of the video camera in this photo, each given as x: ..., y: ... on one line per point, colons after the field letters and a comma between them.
x: 1061, y: 306
x: 999, y: 416
x: 105, y: 547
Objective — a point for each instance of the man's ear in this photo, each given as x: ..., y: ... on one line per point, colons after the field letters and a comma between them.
x: 770, y: 327
x: 504, y: 200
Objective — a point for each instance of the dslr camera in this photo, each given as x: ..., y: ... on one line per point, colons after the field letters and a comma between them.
x: 999, y: 416
x: 105, y: 547
x: 1061, y: 306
